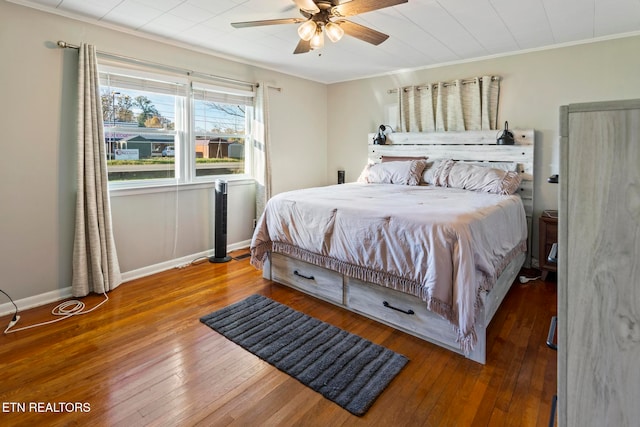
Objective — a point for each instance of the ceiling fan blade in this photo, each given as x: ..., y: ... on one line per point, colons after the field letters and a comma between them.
x: 267, y: 22
x: 302, y: 47
x: 357, y: 7
x: 363, y: 33
x: 307, y: 6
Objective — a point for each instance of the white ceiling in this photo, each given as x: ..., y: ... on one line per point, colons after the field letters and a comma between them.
x: 422, y: 32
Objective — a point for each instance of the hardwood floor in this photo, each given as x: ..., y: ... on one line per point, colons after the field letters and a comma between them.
x: 144, y: 358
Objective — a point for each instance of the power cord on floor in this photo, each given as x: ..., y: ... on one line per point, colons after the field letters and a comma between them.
x: 525, y: 279
x: 196, y: 261
x: 15, y: 318
x: 65, y: 309
x: 203, y: 259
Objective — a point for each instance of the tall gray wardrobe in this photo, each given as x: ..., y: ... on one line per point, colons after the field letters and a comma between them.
x: 599, y: 265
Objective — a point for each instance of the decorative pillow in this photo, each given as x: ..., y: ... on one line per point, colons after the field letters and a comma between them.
x: 364, y: 174
x: 441, y: 172
x: 477, y: 178
x: 505, y: 166
x: 427, y: 174
x: 402, y: 173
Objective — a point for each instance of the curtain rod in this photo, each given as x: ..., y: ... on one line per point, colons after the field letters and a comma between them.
x: 464, y: 82
x: 279, y: 89
x: 66, y: 45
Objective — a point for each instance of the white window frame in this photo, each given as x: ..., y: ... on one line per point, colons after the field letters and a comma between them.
x: 222, y: 91
x: 185, y: 144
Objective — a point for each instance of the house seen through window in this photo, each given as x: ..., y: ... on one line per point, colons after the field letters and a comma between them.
x: 220, y: 129
x: 160, y: 127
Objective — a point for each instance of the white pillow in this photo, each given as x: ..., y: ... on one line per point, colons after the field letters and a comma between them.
x: 470, y: 177
x: 402, y: 173
x: 505, y: 166
x: 427, y: 174
x: 429, y: 171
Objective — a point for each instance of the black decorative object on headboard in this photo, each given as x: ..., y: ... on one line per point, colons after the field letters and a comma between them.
x: 380, y: 138
x: 506, y: 138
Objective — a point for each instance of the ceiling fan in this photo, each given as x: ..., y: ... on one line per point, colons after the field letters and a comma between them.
x: 328, y: 16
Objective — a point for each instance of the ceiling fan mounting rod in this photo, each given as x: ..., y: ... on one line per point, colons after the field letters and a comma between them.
x: 324, y: 5
x: 321, y: 18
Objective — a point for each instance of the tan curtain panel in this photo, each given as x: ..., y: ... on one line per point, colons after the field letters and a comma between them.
x: 260, y: 158
x: 95, y: 262
x: 469, y: 104
x: 406, y: 111
x: 427, y: 109
x: 490, y: 96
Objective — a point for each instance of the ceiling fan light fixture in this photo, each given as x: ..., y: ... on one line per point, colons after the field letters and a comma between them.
x: 334, y: 31
x: 317, y: 41
x: 307, y: 30
x: 332, y: 14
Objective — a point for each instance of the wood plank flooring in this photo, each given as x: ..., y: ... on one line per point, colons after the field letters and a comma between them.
x: 143, y: 358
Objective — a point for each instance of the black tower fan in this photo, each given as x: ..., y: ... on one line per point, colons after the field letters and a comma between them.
x: 220, y: 249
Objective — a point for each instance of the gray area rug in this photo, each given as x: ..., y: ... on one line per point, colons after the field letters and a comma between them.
x: 343, y: 367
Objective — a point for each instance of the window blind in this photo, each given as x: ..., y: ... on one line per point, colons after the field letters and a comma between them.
x: 225, y: 95
x: 138, y: 80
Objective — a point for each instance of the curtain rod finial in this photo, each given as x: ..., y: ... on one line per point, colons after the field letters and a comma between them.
x: 61, y: 43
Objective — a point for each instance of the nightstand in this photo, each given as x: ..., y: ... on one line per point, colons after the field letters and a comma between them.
x: 548, y: 228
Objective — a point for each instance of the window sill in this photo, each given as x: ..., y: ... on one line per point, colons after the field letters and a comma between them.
x: 165, y: 187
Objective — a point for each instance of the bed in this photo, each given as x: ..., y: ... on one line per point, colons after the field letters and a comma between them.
x: 434, y: 260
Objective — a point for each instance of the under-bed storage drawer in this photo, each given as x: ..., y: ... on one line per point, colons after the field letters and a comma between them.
x: 398, y: 309
x: 307, y: 277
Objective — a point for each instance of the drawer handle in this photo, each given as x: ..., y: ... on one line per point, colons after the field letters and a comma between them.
x: 303, y: 276
x: 386, y: 304
x: 552, y: 333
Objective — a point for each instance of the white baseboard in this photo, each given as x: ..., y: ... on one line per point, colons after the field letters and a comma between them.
x: 178, y: 262
x: 60, y: 294
x: 35, y: 301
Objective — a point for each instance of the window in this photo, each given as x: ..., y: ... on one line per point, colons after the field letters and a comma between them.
x: 163, y: 128
x: 220, y: 129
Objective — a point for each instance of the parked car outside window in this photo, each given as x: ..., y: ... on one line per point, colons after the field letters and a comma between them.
x: 168, y: 152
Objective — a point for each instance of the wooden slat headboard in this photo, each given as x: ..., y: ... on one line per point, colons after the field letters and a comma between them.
x: 467, y: 146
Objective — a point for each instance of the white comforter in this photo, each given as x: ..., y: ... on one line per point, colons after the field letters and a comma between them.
x: 443, y: 245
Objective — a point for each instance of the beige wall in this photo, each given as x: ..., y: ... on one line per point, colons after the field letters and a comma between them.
x: 534, y: 85
x: 37, y: 159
